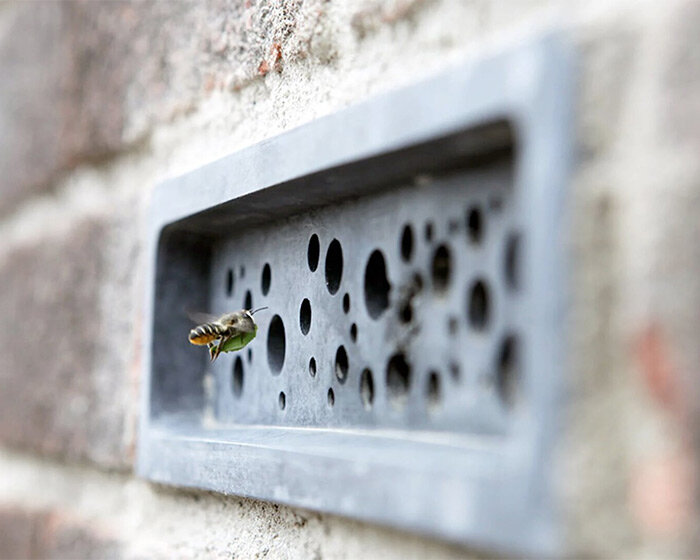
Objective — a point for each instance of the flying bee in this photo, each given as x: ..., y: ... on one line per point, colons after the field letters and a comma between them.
x: 228, y: 333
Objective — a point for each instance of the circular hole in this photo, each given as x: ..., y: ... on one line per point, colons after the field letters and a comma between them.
x: 266, y: 278
x: 407, y: 243
x: 367, y: 388
x: 398, y: 379
x: 406, y: 312
x: 507, y: 378
x: 248, y: 302
x: 433, y: 392
x: 479, y: 305
x: 312, y: 367
x: 237, y: 381
x: 334, y: 266
x: 282, y: 400
x: 429, y: 231
x: 441, y: 268
x: 475, y: 225
x: 305, y: 316
x: 512, y: 264
x: 331, y: 397
x: 241, y: 272
x: 353, y: 332
x: 455, y: 372
x: 250, y: 355
x: 276, y: 344
x: 376, y: 285
x: 452, y: 325
x: 229, y: 282
x: 313, y: 252
x: 341, y: 364
x: 346, y: 303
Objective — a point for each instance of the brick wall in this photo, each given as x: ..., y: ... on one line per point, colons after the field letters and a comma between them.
x: 103, y: 100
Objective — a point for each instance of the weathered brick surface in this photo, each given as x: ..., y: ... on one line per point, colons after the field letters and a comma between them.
x: 88, y: 78
x: 66, y: 387
x: 29, y: 534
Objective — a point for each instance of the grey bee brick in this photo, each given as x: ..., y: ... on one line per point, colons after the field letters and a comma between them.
x: 63, y: 390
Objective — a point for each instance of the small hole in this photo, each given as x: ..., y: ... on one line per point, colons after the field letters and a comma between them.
x: 496, y: 203
x: 407, y: 243
x: 406, y: 312
x: 429, y: 231
x: 417, y: 284
x: 331, y: 397
x: 305, y: 316
x: 353, y: 332
x: 250, y: 355
x: 452, y: 325
x: 237, y: 382
x: 341, y: 364
x: 453, y: 227
x: 479, y: 305
x: 512, y: 264
x: 313, y: 252
x: 266, y: 278
x: 248, y: 302
x: 507, y: 377
x: 475, y: 225
x: 312, y: 367
x: 441, y: 268
x: 376, y: 285
x: 398, y: 380
x: 367, y: 388
x: 241, y: 272
x: 282, y: 400
x: 455, y: 372
x: 276, y: 344
x: 433, y: 391
x: 229, y: 282
x: 334, y: 266
x: 346, y: 303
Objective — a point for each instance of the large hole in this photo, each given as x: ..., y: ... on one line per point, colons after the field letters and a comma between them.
x: 376, y: 285
x: 341, y: 364
x: 475, y: 225
x: 229, y: 282
x: 266, y: 278
x: 512, y: 262
x: 248, y: 302
x: 442, y: 268
x: 305, y: 316
x: 398, y: 379
x: 334, y: 266
x: 237, y: 380
x: 367, y: 388
x: 276, y: 344
x: 479, y: 307
x: 433, y: 391
x: 313, y: 252
x: 407, y: 243
x: 507, y: 377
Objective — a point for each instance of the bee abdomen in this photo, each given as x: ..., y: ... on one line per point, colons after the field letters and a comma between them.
x: 204, y: 334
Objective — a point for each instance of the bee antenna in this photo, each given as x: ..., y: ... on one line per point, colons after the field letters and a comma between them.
x: 258, y: 309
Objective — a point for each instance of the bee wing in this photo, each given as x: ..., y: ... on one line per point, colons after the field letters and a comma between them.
x: 200, y: 317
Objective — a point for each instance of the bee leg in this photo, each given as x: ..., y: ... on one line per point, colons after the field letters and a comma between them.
x: 217, y: 351
x: 212, y: 348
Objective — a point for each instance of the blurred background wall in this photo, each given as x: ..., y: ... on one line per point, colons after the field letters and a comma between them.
x: 99, y: 101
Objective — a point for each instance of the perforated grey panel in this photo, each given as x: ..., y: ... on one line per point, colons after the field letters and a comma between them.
x: 414, y: 315
x: 412, y: 255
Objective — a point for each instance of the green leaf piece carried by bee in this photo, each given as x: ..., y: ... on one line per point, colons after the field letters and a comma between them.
x: 239, y: 342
